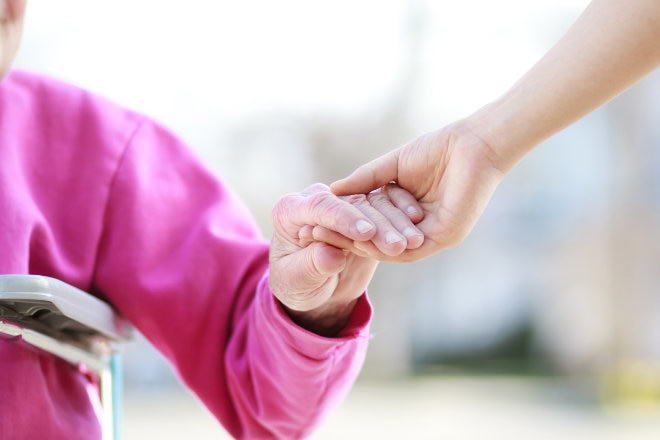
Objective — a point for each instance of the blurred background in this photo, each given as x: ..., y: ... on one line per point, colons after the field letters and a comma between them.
x: 544, y: 323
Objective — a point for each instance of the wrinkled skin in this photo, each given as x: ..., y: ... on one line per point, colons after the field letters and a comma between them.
x: 319, y: 281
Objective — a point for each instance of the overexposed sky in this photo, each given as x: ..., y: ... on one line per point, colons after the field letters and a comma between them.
x: 202, y: 62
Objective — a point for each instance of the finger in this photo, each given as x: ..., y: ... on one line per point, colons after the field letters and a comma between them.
x: 310, y: 276
x: 305, y: 236
x: 369, y: 176
x: 405, y: 201
x: 387, y: 239
x: 381, y: 201
x: 369, y: 249
x: 319, y: 233
x: 319, y: 265
x: 318, y: 206
x: 327, y: 260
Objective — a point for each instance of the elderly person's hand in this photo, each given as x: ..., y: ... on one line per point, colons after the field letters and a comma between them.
x: 319, y: 283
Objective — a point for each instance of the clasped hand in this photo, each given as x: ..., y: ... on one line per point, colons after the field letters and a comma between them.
x: 316, y: 271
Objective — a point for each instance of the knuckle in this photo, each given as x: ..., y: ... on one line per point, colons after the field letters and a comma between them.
x: 355, y: 199
x: 325, y: 206
x: 283, y: 207
x: 389, y: 188
x: 277, y: 213
x: 321, y: 201
x: 394, y: 191
x: 382, y: 203
x: 378, y: 198
x: 280, y: 206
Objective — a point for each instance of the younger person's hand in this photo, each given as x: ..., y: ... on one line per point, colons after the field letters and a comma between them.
x: 451, y: 172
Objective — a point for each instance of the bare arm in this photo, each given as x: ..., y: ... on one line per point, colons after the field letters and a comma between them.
x: 613, y: 44
x: 454, y: 171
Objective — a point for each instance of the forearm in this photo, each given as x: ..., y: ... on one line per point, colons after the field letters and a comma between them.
x: 284, y: 380
x: 612, y: 45
x: 325, y: 321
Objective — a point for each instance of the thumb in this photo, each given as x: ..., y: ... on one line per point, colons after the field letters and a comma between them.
x: 326, y: 260
x: 306, y: 278
x: 369, y: 176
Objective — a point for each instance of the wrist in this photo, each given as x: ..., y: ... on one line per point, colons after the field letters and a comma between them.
x: 506, y: 127
x: 327, y: 320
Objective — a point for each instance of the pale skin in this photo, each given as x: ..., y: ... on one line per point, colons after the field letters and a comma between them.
x: 12, y: 13
x: 317, y: 284
x: 454, y: 171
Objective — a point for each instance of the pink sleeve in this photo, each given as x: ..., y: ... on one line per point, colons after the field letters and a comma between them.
x: 181, y: 257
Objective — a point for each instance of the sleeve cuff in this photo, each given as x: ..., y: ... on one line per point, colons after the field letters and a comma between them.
x: 304, y: 341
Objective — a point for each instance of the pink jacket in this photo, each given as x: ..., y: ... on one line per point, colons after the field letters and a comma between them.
x: 109, y: 201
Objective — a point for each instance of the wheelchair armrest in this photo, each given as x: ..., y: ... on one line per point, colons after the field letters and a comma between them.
x: 60, y: 311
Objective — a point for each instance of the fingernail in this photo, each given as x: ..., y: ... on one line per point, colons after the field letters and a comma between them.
x: 364, y: 226
x: 411, y: 210
x: 392, y: 237
x: 409, y: 232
